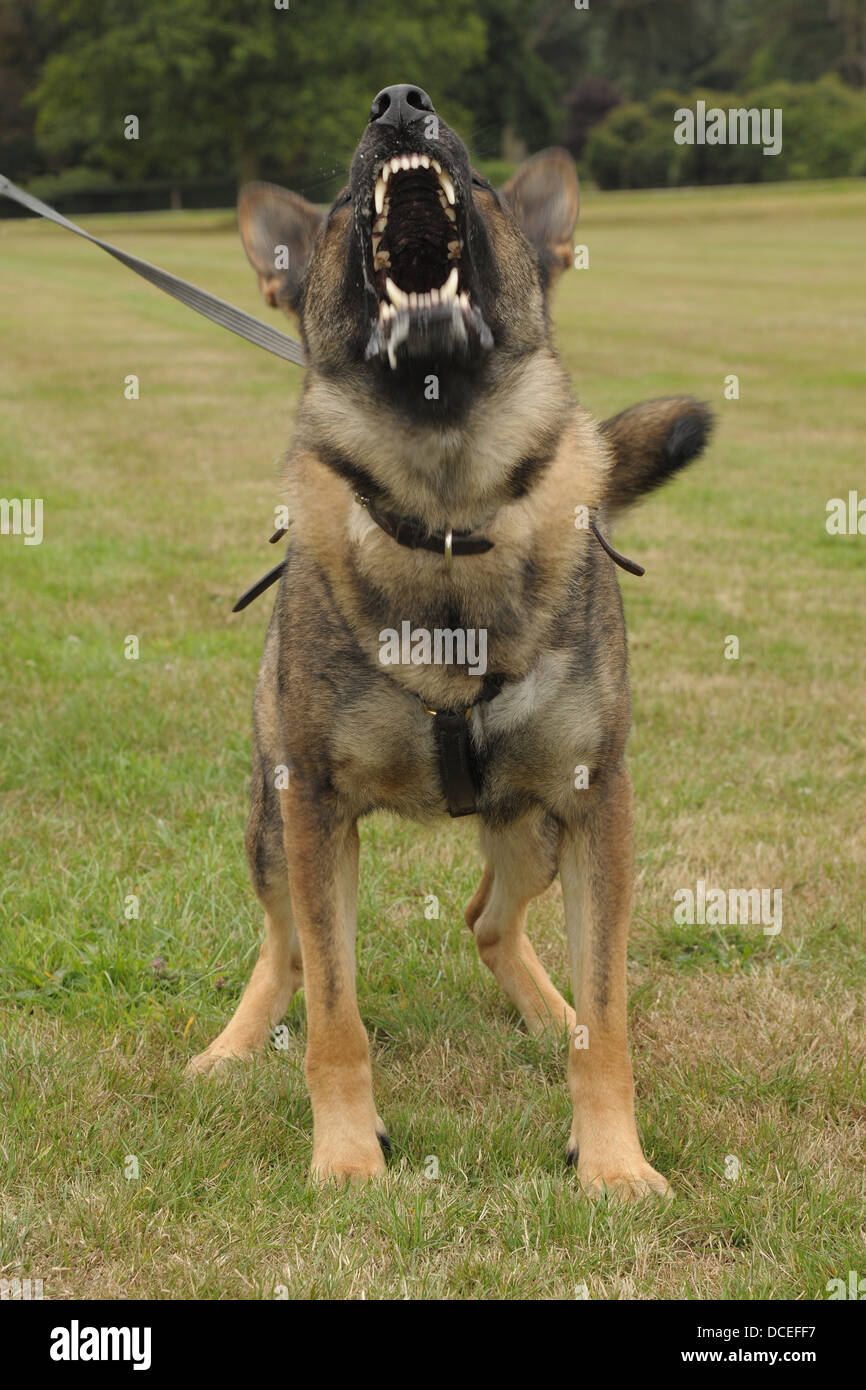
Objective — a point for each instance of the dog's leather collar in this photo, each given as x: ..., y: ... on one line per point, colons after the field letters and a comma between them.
x: 416, y: 535
x: 411, y: 532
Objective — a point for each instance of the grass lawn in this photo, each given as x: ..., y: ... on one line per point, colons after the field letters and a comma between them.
x: 122, y: 777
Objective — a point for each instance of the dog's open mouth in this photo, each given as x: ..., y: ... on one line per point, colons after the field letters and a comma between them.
x: 420, y: 273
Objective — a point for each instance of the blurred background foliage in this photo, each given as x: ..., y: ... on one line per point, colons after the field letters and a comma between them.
x: 228, y: 90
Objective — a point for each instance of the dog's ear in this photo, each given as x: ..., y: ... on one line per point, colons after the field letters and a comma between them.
x: 544, y: 196
x: 278, y: 229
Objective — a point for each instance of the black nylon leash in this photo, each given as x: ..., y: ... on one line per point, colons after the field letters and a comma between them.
x: 217, y: 310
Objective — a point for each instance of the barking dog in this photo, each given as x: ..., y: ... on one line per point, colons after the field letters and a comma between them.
x: 443, y: 476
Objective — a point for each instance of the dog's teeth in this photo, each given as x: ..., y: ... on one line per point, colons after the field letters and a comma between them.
x: 396, y: 295
x: 375, y: 242
x: 449, y: 289
x: 449, y: 188
x: 382, y: 260
x: 405, y: 162
x: 413, y: 300
x: 380, y: 194
x: 380, y: 224
x: 464, y: 300
x: 436, y: 165
x: 454, y: 250
x: 415, y: 161
x: 425, y: 161
x: 450, y: 214
x: 434, y: 296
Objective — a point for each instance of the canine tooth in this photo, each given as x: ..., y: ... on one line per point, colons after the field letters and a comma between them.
x: 451, y: 214
x: 449, y: 289
x: 449, y: 188
x: 380, y: 193
x: 396, y: 295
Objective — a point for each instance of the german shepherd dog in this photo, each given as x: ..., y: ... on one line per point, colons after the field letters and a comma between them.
x: 442, y: 475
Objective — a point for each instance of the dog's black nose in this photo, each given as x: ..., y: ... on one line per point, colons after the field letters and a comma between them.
x: 400, y: 105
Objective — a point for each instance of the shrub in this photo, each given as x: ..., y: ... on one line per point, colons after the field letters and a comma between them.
x: 823, y: 136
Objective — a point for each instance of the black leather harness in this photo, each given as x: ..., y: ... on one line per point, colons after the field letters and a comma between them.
x: 460, y: 769
x: 459, y: 765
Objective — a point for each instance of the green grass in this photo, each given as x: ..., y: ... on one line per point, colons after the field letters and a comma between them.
x: 129, y: 777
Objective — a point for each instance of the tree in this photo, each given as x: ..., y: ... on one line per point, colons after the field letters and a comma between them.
x: 513, y: 93
x: 238, y: 83
x: 24, y: 44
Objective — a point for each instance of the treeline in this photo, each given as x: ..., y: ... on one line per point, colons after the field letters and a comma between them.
x: 226, y: 90
x: 818, y: 131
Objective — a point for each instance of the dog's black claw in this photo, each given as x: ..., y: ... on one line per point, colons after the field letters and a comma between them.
x: 384, y: 1144
x: 571, y: 1158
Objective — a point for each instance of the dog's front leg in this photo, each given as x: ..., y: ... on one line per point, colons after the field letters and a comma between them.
x: 322, y: 857
x: 595, y: 864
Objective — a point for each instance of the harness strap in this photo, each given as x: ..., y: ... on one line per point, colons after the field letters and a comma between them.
x: 459, y: 768
x: 217, y: 310
x: 457, y: 764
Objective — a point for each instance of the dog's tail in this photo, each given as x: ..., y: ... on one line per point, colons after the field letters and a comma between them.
x: 651, y: 442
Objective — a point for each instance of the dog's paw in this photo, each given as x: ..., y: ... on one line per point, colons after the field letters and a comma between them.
x: 349, y: 1164
x: 626, y: 1182
x: 211, y: 1062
